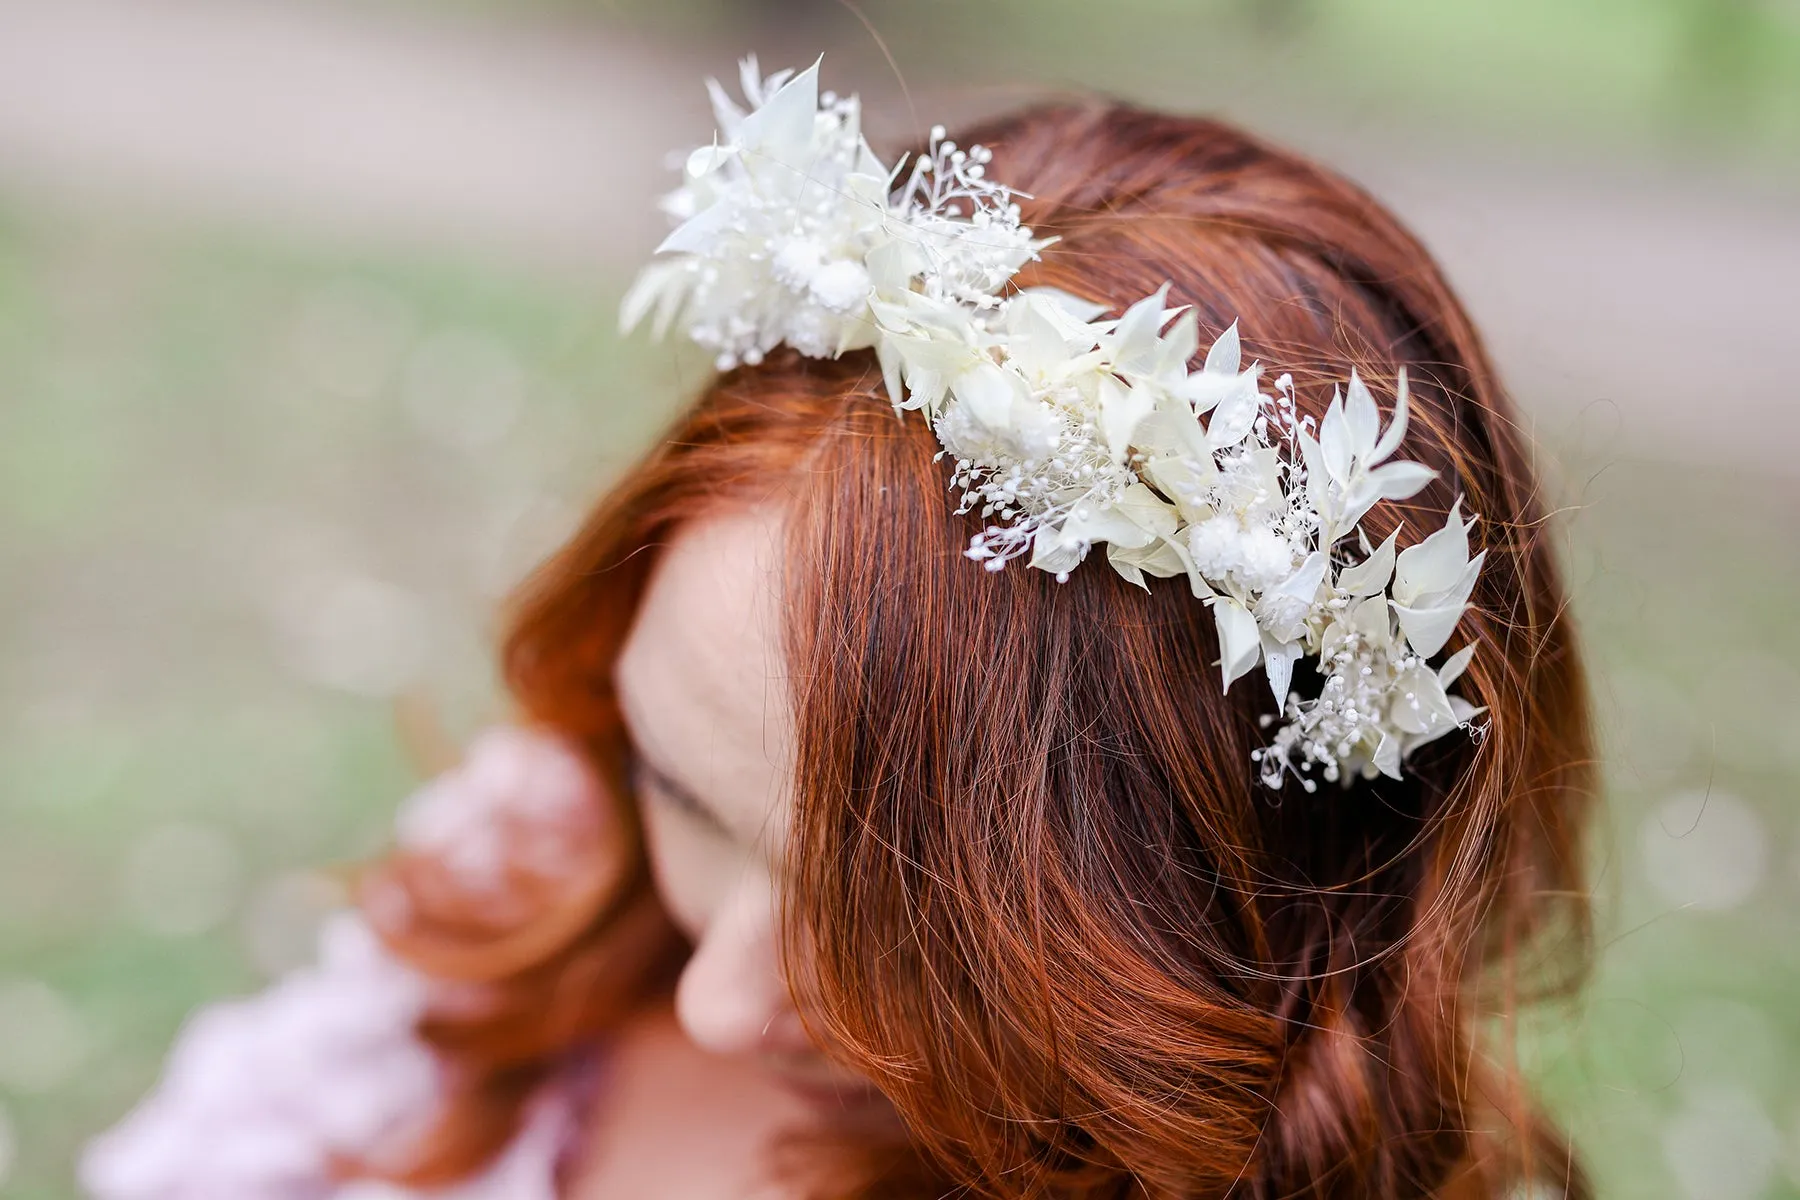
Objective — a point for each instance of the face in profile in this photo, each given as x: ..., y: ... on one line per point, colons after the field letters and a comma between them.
x: 703, y: 685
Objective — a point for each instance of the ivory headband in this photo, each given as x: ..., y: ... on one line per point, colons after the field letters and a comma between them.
x: 1066, y: 429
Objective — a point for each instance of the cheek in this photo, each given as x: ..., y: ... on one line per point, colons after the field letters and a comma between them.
x: 693, y: 866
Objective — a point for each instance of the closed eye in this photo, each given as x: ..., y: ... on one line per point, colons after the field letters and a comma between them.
x: 654, y: 784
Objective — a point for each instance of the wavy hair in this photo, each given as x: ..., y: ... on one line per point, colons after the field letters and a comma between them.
x: 1040, y: 897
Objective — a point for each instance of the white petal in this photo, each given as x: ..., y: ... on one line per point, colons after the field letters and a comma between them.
x: 1317, y: 478
x: 856, y: 334
x: 1362, y: 420
x: 1353, y: 503
x: 1369, y: 618
x: 893, y: 265
x: 1173, y: 432
x: 1304, y: 583
x: 1331, y: 640
x: 1235, y: 416
x: 1147, y: 510
x: 1121, y: 409
x: 1106, y: 525
x: 1066, y: 303
x: 1134, y: 341
x: 1266, y: 468
x: 988, y: 389
x: 1390, y: 439
x: 1180, y: 342
x: 1240, y: 642
x: 707, y: 159
x: 1435, y: 563
x: 1430, y: 623
x: 698, y: 233
x: 1387, y: 757
x: 782, y: 128
x: 658, y: 286
x: 1395, y: 481
x: 1465, y: 712
x: 1401, y: 480
x: 889, y: 358
x: 1224, y: 355
x: 750, y: 78
x: 1455, y: 665
x: 1461, y: 712
x: 1204, y: 390
x: 925, y: 389
x: 1278, y: 662
x: 728, y: 115
x: 1049, y: 552
x: 1180, y: 477
x: 1035, y: 342
x: 1457, y: 594
x: 872, y: 174
x: 1196, y: 583
x: 1427, y: 629
x: 1370, y: 576
x: 1419, y: 705
x: 1334, y: 441
x: 1162, y: 559
x: 1128, y: 571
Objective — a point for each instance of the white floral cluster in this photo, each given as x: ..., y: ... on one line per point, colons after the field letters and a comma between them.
x: 1068, y: 430
x: 788, y: 223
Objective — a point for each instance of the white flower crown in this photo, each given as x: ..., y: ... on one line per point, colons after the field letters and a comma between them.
x: 1070, y: 430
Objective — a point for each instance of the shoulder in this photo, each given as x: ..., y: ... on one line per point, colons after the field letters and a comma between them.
x: 672, y: 1120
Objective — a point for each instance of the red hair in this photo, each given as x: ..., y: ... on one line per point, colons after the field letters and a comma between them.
x: 1042, y: 901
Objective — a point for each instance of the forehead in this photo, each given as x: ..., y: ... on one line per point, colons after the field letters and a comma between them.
x: 701, y: 677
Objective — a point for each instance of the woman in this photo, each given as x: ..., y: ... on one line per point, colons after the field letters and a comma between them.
x: 827, y: 863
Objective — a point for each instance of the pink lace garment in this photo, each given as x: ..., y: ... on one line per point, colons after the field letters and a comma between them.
x: 261, y: 1097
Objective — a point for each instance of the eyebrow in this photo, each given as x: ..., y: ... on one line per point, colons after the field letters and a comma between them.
x: 643, y: 771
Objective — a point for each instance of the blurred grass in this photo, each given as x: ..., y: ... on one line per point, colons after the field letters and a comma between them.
x: 1717, y: 79
x: 193, y: 476
x: 1724, y: 73
x: 204, y: 449
x: 1679, y: 1069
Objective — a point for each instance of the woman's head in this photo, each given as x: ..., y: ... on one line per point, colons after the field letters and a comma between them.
x: 995, y: 844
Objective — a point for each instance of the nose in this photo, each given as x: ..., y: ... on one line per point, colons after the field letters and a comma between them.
x: 732, y: 998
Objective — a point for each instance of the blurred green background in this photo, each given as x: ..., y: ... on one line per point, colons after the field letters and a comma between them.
x: 307, y: 353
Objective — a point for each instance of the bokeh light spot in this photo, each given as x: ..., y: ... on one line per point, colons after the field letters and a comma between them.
x: 463, y: 388
x: 1721, y: 1145
x: 182, y: 879
x: 348, y: 338
x: 1723, y: 1039
x: 1704, y: 850
x: 42, y: 1040
x: 354, y: 633
x: 280, y: 925
x: 9, y: 1146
